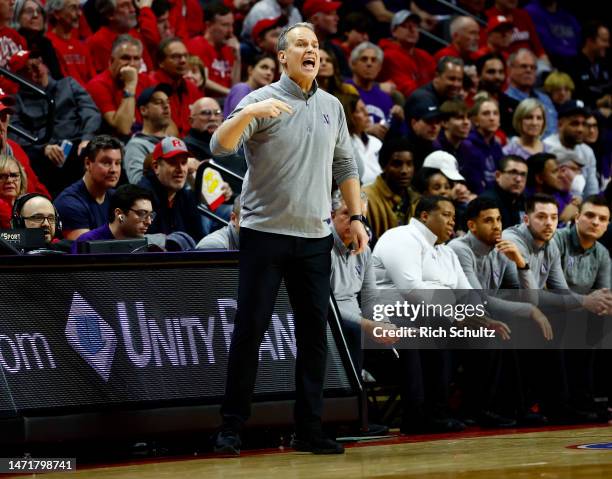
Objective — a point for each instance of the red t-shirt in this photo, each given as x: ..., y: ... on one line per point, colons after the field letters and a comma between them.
x: 184, y: 93
x: 73, y: 57
x: 218, y: 61
x: 524, y: 34
x: 107, y: 94
x: 407, y: 70
x: 451, y: 51
x: 187, y: 18
x: 10, y: 43
x: 100, y: 46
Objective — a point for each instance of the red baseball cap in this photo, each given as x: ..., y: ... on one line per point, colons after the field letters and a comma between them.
x: 498, y: 21
x: 263, y: 26
x: 319, y: 6
x: 19, y: 60
x: 169, y: 147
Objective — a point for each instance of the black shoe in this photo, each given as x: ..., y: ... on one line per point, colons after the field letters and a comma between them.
x: 432, y: 425
x: 494, y: 420
x: 228, y: 442
x: 317, y: 445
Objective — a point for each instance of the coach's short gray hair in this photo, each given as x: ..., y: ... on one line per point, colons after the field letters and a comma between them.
x: 282, y: 38
x: 363, y: 46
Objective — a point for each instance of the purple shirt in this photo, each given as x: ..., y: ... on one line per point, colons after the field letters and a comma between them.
x: 236, y: 93
x: 559, y: 32
x: 514, y: 148
x: 480, y: 163
x: 101, y: 233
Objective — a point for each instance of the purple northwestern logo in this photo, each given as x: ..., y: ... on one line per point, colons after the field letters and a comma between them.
x: 326, y: 118
x: 91, y: 336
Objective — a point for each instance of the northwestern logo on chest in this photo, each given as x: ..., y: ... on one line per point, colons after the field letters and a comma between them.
x: 326, y: 118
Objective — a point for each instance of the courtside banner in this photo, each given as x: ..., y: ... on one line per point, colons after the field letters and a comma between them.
x: 126, y: 336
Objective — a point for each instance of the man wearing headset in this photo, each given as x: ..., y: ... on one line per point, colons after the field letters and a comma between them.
x: 34, y: 210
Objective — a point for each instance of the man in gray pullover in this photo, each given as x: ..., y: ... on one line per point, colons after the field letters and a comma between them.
x: 295, y: 137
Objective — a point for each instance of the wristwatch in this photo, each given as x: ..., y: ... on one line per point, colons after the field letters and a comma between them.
x: 526, y: 267
x: 358, y: 218
x: 127, y: 94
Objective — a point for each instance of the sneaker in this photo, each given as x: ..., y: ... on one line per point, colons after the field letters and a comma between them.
x: 317, y: 445
x: 228, y: 442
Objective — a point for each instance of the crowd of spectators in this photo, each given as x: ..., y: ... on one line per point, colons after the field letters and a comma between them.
x: 508, y: 118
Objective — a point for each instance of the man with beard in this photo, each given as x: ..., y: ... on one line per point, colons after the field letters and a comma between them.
x: 507, y: 192
x: 34, y: 210
x: 546, y: 371
x: 486, y: 260
x: 119, y: 17
x: 154, y: 107
x: 131, y: 215
x: 586, y: 265
x: 492, y: 78
x: 205, y: 117
x: 570, y: 139
x: 85, y: 205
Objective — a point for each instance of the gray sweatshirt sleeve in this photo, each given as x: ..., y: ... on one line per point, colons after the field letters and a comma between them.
x: 603, y: 274
x: 135, y: 153
x: 344, y: 166
x: 216, y: 148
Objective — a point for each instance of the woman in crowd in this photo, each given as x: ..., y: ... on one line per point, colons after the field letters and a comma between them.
x: 30, y: 20
x: 13, y: 183
x: 479, y: 165
x: 260, y: 72
x: 365, y: 147
x: 560, y: 87
x: 196, y: 72
x: 599, y: 137
x: 529, y: 121
x: 431, y: 181
x: 329, y: 78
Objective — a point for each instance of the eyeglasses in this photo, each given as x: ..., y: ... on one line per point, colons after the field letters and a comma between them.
x: 144, y: 215
x: 520, y: 174
x: 10, y: 176
x: 31, y: 12
x: 527, y: 66
x: 210, y: 112
x: 39, y: 219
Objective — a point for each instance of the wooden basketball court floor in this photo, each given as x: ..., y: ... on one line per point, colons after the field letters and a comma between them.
x: 547, y: 453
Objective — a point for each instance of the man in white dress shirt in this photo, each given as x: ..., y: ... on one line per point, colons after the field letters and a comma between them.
x: 414, y: 260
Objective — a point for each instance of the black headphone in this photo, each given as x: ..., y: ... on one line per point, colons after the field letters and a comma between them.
x: 17, y: 221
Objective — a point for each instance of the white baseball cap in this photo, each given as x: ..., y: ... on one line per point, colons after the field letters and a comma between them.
x: 446, y: 163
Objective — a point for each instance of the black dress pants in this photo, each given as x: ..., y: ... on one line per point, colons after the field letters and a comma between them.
x: 305, y: 265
